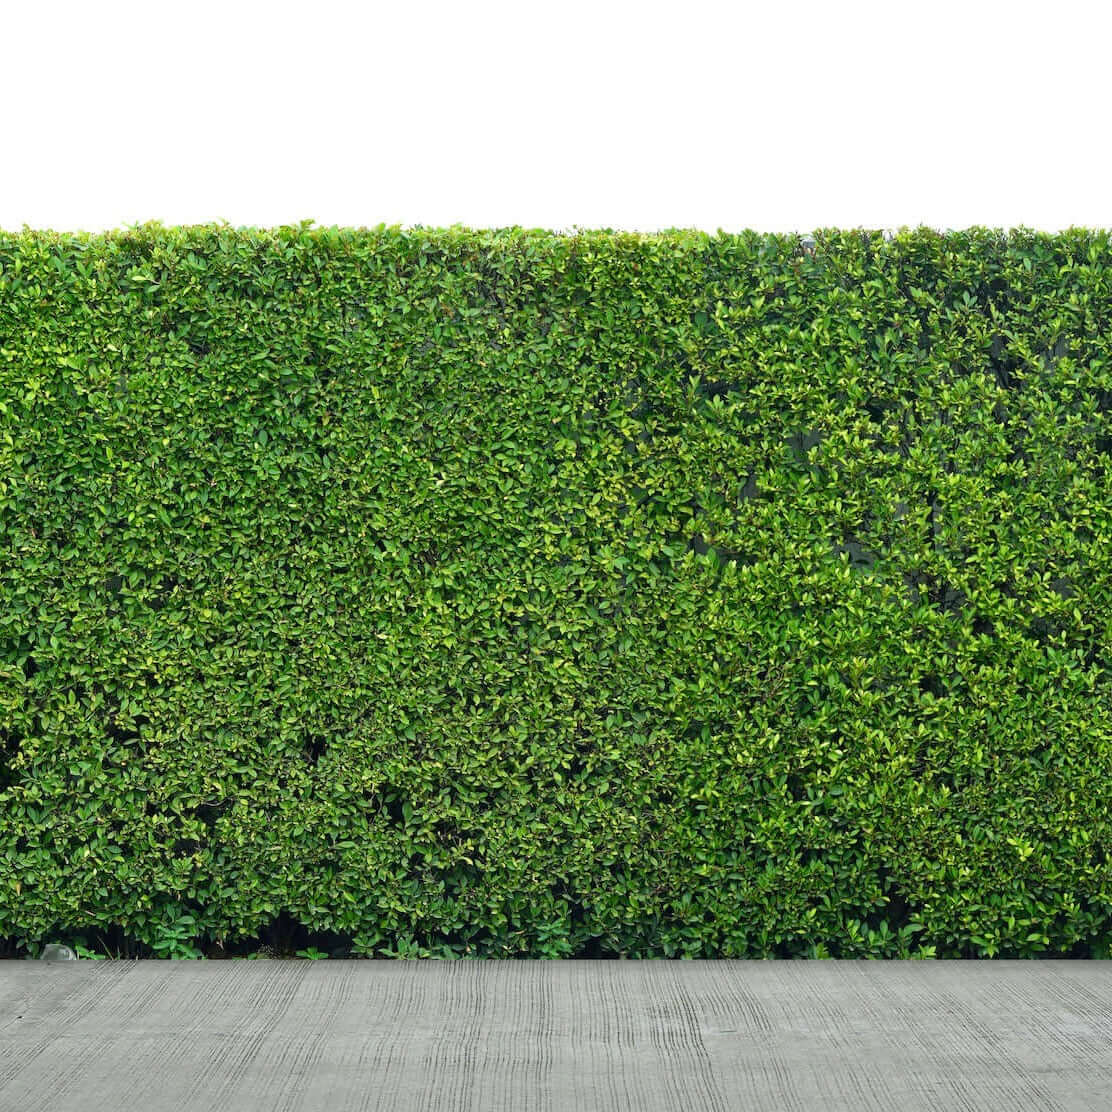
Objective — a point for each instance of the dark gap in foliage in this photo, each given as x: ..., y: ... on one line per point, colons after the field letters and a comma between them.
x: 698, y: 545
x: 714, y: 727
x: 750, y: 490
x: 1056, y: 351
x: 9, y: 748
x: 711, y: 388
x: 166, y: 587
x: 592, y: 949
x: 919, y: 752
x: 878, y: 408
x: 747, y: 417
x: 577, y: 913
x: 122, y: 735
x: 945, y: 596
x: 583, y: 747
x: 314, y: 748
x: 802, y: 442
x: 722, y: 555
x: 1045, y: 630
x: 1003, y: 364
x: 1080, y: 951
x: 284, y: 934
x: 392, y: 807
x: 317, y: 357
x: 489, y: 293
x: 135, y: 248
x: 988, y: 293
x: 931, y: 684
x: 912, y: 582
x: 282, y: 937
x: 354, y: 315
x: 475, y: 939
x: 30, y: 667
x: 856, y: 554
x: 682, y: 372
x: 208, y: 811
x: 1045, y: 745
x: 897, y: 911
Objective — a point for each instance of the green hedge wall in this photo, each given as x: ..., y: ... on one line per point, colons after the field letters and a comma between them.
x: 511, y: 593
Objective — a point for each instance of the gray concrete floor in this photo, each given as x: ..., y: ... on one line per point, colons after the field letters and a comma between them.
x: 562, y: 1035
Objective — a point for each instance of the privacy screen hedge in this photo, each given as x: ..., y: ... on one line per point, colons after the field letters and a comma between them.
x: 514, y: 593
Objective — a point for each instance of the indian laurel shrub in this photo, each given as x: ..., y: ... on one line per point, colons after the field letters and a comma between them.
x: 508, y: 593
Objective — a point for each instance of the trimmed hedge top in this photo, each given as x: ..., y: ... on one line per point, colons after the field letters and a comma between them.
x: 514, y: 593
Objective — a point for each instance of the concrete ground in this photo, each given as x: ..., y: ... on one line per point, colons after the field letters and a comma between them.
x: 243, y: 1036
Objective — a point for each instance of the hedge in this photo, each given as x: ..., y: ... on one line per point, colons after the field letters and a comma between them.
x: 512, y: 593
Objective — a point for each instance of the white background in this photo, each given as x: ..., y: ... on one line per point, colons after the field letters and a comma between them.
x: 778, y: 116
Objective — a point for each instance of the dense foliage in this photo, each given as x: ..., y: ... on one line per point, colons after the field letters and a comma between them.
x: 513, y: 593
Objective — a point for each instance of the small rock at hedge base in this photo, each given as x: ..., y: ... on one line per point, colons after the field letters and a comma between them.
x: 52, y: 951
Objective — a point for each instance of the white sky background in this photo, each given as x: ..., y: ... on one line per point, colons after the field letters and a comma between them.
x: 779, y: 116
